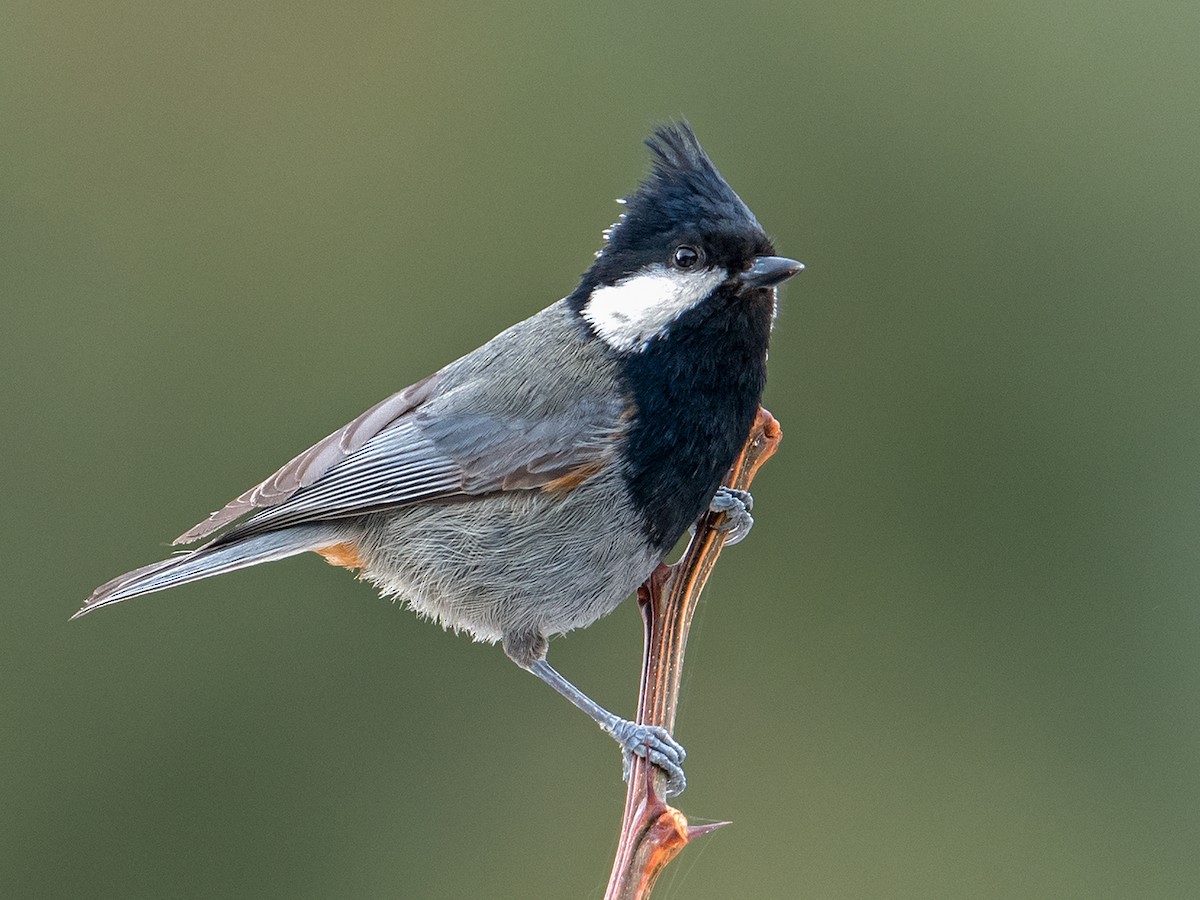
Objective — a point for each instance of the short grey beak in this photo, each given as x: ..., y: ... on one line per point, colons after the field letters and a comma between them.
x: 768, y: 271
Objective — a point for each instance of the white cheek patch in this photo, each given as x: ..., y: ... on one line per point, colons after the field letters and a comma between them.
x: 629, y: 314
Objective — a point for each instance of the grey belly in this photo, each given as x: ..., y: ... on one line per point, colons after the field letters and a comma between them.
x: 516, y: 562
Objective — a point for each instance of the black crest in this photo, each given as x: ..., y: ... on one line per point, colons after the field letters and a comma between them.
x: 683, y: 192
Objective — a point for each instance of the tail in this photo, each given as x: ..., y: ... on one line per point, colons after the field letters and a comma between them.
x: 212, y: 559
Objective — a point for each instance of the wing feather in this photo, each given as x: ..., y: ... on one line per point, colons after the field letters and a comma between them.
x: 314, y: 462
x: 397, y: 467
x: 436, y: 453
x: 485, y: 423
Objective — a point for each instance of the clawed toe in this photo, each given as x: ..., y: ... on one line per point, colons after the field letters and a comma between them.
x: 736, y: 505
x: 654, y: 743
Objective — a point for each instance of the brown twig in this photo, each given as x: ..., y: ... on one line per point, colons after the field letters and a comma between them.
x: 652, y: 832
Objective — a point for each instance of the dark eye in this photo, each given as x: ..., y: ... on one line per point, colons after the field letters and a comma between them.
x: 686, y: 257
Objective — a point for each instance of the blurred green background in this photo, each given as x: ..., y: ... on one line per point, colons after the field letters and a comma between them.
x: 957, y: 658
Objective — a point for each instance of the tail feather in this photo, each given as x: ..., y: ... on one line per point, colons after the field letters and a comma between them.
x: 211, y: 560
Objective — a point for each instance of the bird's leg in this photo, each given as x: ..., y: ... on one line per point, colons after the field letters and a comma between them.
x: 651, y: 741
x: 736, y: 505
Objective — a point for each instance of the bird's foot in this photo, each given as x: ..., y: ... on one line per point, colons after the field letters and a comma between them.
x: 736, y: 505
x: 654, y: 743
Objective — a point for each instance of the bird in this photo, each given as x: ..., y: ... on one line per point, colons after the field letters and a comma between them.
x: 527, y: 488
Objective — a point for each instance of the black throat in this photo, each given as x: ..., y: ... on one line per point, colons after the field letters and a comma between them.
x: 696, y: 391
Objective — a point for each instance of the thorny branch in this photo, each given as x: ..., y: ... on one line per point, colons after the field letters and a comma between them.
x: 652, y: 832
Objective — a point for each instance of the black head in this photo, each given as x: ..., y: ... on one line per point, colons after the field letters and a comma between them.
x: 684, y: 238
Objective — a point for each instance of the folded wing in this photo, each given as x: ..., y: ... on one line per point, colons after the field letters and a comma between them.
x: 407, y: 450
x: 314, y: 462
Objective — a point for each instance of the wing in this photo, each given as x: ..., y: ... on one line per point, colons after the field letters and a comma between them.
x: 490, y: 421
x: 441, y: 454
x: 314, y: 462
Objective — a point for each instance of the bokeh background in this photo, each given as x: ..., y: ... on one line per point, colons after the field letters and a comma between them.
x: 959, y: 655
